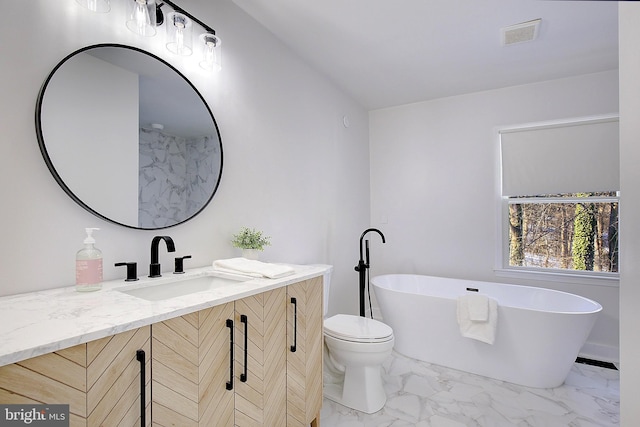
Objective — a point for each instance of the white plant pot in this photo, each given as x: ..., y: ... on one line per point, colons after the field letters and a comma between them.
x: 251, y: 254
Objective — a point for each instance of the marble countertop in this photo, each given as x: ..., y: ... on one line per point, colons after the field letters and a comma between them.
x: 37, y: 323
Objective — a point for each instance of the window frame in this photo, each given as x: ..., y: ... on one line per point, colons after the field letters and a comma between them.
x: 502, y: 267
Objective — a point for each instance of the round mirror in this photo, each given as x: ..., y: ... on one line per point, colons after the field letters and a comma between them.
x: 128, y: 137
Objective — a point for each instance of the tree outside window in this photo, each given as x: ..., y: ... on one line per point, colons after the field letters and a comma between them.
x: 567, y: 231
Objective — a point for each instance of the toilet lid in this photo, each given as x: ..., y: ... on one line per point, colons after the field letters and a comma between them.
x: 357, y: 328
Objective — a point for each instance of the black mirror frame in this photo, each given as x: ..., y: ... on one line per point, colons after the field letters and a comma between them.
x: 58, y: 178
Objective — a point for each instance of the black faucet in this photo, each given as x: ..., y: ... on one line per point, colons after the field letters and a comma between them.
x: 154, y: 267
x: 364, y: 265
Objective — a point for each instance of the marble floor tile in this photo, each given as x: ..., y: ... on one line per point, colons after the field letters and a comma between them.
x: 423, y: 395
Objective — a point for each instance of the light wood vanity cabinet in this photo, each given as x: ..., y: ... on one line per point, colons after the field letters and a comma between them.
x: 100, y: 380
x: 274, y: 378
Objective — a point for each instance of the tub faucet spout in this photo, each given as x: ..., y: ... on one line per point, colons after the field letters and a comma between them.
x: 363, y: 265
x: 154, y: 267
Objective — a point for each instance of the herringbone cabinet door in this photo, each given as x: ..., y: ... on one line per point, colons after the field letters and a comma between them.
x: 216, y: 402
x: 190, y: 365
x: 113, y: 379
x: 99, y: 380
x: 53, y: 378
x: 261, y: 399
x: 304, y: 366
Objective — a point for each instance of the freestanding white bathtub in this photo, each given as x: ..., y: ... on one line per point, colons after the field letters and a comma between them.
x: 539, y: 332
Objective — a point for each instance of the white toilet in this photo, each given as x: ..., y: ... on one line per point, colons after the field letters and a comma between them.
x: 355, y: 348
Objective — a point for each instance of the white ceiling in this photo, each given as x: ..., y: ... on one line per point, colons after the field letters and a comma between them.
x: 392, y: 52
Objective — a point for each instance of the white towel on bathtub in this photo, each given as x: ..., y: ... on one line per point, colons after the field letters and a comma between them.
x: 478, y: 307
x: 478, y: 317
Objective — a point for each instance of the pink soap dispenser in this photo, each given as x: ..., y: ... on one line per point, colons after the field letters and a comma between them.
x: 89, y: 265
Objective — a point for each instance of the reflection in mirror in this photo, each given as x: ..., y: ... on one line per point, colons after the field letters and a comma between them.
x: 128, y: 137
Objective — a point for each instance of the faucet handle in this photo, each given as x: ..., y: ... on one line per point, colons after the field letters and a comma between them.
x: 132, y: 270
x: 179, y: 268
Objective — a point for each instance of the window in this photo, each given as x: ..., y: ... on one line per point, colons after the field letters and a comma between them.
x: 569, y: 232
x: 560, y: 197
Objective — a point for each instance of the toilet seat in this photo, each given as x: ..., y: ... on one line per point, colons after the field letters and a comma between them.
x: 357, y: 329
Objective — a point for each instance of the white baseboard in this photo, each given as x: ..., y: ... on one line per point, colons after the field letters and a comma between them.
x: 603, y: 353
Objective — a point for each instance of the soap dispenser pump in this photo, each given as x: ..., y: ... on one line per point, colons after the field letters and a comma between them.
x: 89, y: 265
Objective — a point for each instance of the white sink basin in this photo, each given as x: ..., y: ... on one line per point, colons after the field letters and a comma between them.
x: 178, y: 288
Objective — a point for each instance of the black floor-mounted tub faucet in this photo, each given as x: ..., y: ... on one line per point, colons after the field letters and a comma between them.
x: 363, y: 265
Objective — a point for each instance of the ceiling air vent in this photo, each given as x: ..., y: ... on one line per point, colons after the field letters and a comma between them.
x: 519, y: 33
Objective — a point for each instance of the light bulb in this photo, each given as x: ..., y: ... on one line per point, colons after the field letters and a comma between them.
x: 179, y: 34
x: 211, y: 60
x: 98, y: 6
x: 179, y: 38
x: 142, y: 17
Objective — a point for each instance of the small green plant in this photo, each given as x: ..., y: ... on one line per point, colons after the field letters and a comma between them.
x: 250, y: 238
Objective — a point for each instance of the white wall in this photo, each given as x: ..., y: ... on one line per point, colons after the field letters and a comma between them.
x: 290, y: 166
x: 292, y: 169
x: 434, y: 180
x: 94, y: 94
x: 629, y: 212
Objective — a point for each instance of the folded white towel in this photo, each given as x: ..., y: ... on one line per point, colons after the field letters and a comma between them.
x: 253, y: 268
x: 219, y: 269
x: 476, y: 306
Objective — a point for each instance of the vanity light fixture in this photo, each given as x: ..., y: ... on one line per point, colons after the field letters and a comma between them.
x: 179, y: 34
x: 144, y: 16
x: 100, y: 6
x: 211, y: 55
x: 211, y: 51
x: 141, y: 17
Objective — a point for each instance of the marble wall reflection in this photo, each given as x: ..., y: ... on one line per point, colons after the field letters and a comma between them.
x: 177, y: 176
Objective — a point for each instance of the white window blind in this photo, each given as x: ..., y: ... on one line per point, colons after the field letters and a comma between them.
x: 560, y: 159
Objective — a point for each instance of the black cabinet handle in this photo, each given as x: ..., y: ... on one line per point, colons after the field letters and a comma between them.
x: 243, y: 319
x: 230, y: 382
x: 295, y: 324
x: 140, y: 357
